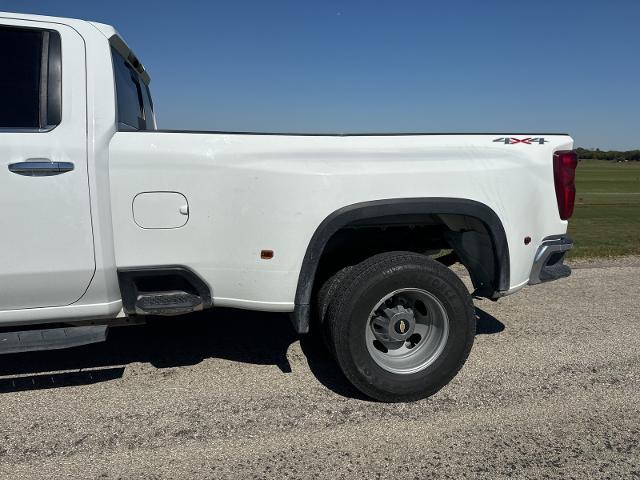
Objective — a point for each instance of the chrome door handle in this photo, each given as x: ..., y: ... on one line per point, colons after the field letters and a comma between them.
x: 40, y: 168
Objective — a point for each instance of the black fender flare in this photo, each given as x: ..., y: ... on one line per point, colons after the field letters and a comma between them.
x: 350, y: 214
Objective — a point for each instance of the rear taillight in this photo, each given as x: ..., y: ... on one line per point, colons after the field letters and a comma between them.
x: 564, y: 177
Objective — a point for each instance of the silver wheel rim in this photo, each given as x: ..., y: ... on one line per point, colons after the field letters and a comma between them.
x: 407, y: 331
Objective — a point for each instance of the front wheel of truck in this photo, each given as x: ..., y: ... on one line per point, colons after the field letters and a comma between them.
x: 400, y: 326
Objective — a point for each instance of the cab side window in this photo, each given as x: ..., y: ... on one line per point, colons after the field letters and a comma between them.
x: 29, y: 78
x: 135, y: 111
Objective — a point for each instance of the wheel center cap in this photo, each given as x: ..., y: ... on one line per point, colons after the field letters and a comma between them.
x: 401, y: 325
x: 393, y: 325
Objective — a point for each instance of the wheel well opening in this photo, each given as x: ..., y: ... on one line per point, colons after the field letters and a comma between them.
x: 448, y: 238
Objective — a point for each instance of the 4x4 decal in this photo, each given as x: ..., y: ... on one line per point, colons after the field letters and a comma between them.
x: 527, y: 141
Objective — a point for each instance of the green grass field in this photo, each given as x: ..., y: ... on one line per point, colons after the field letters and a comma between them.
x: 606, y: 220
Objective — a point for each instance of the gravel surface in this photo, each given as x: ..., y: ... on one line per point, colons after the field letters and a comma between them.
x: 551, y: 390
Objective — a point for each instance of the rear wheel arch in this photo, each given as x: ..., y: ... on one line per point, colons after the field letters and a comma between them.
x: 447, y: 209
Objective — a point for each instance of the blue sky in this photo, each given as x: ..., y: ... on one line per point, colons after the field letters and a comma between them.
x: 385, y: 66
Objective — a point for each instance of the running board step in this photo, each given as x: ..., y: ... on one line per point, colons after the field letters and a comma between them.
x: 175, y: 302
x: 51, y: 338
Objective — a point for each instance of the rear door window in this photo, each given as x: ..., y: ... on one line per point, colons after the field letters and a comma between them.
x: 27, y: 83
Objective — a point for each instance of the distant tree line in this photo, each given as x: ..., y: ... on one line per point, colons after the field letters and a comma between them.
x: 612, y: 155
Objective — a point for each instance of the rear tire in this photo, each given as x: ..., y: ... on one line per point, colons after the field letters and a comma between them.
x: 399, y: 324
x: 323, y: 300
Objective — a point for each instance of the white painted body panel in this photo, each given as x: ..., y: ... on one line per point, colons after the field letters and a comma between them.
x: 102, y: 297
x: 46, y: 239
x: 252, y: 192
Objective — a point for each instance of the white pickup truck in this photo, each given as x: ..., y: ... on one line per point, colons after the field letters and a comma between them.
x: 106, y: 218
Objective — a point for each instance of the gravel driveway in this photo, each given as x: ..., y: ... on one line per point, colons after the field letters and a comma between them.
x: 551, y: 390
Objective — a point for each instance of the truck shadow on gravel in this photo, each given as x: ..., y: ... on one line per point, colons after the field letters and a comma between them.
x: 240, y: 336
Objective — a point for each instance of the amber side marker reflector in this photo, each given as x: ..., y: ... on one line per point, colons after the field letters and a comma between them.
x: 266, y: 254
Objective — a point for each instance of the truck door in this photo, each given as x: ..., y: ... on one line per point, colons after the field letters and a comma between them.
x: 46, y: 240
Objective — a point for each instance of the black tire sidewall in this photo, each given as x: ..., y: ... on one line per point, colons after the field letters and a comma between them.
x: 356, y: 361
